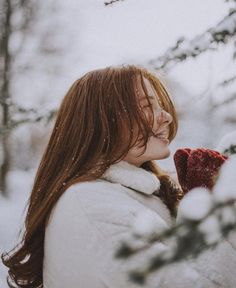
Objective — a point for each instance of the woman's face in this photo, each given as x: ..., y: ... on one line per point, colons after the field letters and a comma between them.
x: 157, y: 146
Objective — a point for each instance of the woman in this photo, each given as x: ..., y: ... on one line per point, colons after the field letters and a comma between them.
x: 96, y: 175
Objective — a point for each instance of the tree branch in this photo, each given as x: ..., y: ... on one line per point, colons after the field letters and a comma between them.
x: 111, y: 2
x: 32, y: 117
x: 190, y: 241
x: 184, y: 48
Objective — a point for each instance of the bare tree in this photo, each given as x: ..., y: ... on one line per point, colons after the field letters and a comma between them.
x: 5, y: 71
x: 27, y: 11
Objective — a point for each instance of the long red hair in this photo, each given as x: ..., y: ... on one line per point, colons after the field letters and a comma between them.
x: 89, y: 135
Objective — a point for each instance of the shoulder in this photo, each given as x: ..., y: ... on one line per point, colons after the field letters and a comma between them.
x: 94, y: 200
x: 92, y: 195
x: 102, y: 205
x: 99, y: 198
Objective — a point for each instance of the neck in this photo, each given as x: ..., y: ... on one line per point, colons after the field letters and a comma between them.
x: 136, y: 162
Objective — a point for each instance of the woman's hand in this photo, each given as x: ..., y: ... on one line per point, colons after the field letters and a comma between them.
x: 197, y: 167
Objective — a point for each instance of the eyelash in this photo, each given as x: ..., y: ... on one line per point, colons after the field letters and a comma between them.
x: 147, y: 106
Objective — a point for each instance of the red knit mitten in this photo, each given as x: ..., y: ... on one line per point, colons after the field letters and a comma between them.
x: 197, y: 167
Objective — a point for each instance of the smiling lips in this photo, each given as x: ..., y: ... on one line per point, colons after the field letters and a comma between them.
x: 164, y: 134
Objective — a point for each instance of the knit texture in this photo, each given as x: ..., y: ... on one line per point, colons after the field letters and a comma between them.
x: 197, y: 167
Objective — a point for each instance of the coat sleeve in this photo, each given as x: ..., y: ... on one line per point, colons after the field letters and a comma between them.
x: 111, y: 217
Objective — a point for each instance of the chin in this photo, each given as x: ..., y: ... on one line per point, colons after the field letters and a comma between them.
x: 167, y: 154
x: 164, y: 154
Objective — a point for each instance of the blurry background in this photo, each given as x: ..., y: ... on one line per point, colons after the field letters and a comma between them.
x: 47, y: 45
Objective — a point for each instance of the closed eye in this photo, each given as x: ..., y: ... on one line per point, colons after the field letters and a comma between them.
x: 147, y: 106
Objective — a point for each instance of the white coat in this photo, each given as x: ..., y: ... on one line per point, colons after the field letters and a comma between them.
x: 88, y: 222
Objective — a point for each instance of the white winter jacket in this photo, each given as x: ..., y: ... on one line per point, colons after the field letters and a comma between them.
x: 90, y: 219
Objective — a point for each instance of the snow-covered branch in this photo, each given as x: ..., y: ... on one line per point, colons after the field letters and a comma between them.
x: 229, y: 100
x: 204, y: 219
x: 190, y: 238
x: 111, y: 2
x: 22, y: 116
x: 184, y: 48
x: 227, y: 145
x: 227, y: 81
x: 34, y: 116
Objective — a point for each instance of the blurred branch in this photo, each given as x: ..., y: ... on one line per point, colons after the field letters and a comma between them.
x: 189, y: 239
x: 231, y: 150
x: 29, y: 116
x: 225, y: 102
x: 230, y: 119
x: 227, y: 81
x: 184, y: 48
x: 191, y: 236
x: 111, y: 2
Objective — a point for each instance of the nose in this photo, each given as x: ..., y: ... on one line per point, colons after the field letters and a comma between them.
x: 165, y: 118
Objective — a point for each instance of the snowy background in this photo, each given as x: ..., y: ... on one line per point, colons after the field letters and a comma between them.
x: 69, y: 38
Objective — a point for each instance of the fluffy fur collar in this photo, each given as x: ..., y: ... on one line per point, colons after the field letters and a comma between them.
x: 133, y: 177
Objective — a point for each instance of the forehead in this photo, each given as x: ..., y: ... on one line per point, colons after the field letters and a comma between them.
x: 150, y: 90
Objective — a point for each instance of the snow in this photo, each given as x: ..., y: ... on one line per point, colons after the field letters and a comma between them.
x: 89, y: 36
x: 146, y: 223
x: 195, y: 205
x: 225, y: 188
x: 229, y: 24
x: 210, y: 227
x: 228, y: 140
x: 198, y: 44
x: 228, y: 215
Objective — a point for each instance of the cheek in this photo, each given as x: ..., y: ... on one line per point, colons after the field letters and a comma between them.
x: 155, y: 141
x: 157, y: 145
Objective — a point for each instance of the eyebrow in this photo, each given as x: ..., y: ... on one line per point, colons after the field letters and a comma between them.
x: 144, y: 98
